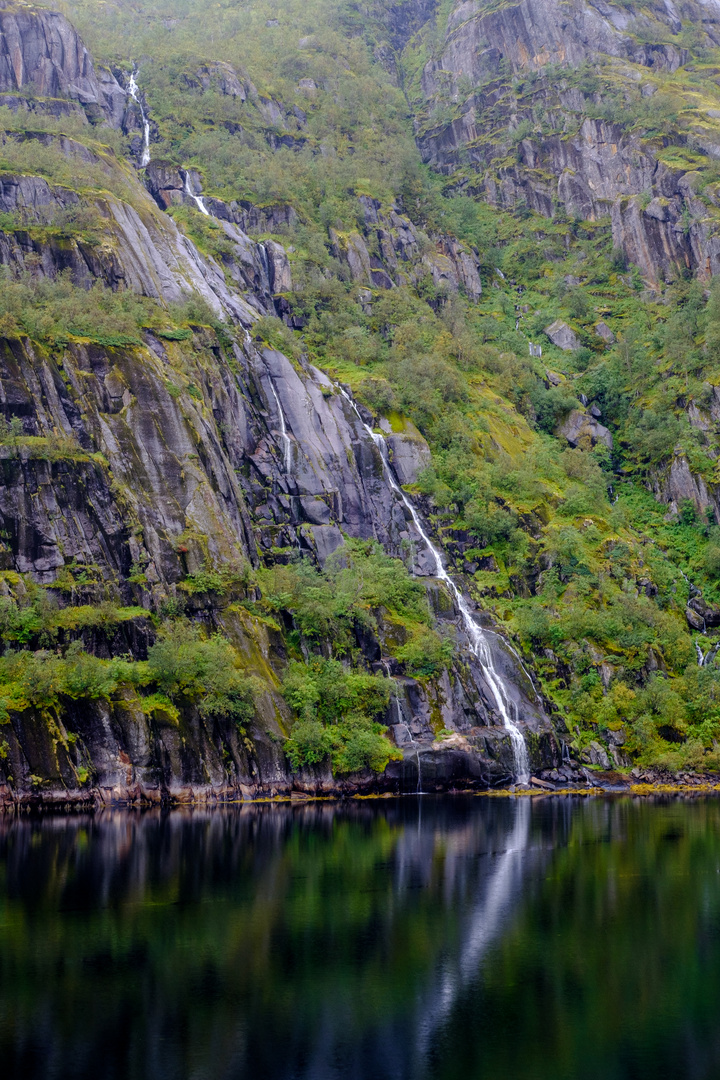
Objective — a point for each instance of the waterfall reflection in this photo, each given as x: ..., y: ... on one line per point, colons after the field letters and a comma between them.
x: 312, y: 941
x: 401, y: 939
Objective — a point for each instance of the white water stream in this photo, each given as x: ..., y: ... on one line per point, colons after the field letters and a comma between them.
x: 478, y: 641
x: 402, y: 722
x: 705, y: 659
x: 134, y: 91
x: 283, y: 429
x: 200, y: 203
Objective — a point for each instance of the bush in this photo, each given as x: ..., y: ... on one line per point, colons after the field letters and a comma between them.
x: 337, y: 711
x: 357, y: 581
x: 309, y: 744
x: 426, y: 653
x: 202, y: 671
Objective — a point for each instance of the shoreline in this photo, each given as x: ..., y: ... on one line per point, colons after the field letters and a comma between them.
x: 33, y: 805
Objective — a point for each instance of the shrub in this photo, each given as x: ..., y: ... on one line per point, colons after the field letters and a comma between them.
x: 337, y: 708
x: 201, y: 671
x: 426, y: 653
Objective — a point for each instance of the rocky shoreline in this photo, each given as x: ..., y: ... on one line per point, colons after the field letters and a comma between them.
x: 585, y: 784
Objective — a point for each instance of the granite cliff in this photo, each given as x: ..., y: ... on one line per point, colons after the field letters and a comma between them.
x: 589, y: 109
x: 140, y: 465
x: 359, y: 397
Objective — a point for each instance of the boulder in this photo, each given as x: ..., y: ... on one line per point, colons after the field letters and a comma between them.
x: 563, y: 336
x: 553, y: 379
x: 596, y: 754
x: 708, y: 614
x: 581, y: 429
x: 603, y: 331
x: 223, y: 78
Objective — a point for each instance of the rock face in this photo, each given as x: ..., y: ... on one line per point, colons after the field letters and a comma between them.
x: 592, y: 165
x: 147, y: 462
x: 678, y: 484
x: 403, y: 256
x: 147, y: 252
x: 41, y: 52
x: 582, y: 429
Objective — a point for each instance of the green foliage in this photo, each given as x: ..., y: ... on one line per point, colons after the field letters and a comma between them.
x: 337, y: 710
x: 426, y: 653
x: 202, y: 671
x: 51, y: 309
x: 356, y: 584
x: 42, y: 680
x: 62, y: 162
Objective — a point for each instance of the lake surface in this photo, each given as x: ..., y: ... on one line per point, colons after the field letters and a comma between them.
x: 411, y: 938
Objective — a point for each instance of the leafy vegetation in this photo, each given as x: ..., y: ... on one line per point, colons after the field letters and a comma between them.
x: 337, y: 703
x: 54, y: 310
x: 565, y: 545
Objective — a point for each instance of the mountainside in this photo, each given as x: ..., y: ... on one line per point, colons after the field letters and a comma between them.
x: 595, y: 108
x: 360, y: 386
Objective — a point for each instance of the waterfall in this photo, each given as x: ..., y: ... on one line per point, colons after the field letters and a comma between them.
x: 198, y: 200
x: 478, y: 641
x: 704, y: 660
x: 135, y: 95
x: 283, y: 429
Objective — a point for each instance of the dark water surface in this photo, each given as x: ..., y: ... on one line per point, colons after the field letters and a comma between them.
x: 440, y: 938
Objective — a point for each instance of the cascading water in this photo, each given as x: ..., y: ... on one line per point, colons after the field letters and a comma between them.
x: 283, y: 431
x: 705, y: 659
x: 197, y: 199
x: 478, y: 641
x: 134, y: 92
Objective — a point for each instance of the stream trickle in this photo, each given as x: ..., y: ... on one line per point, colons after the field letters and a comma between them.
x: 400, y: 720
x: 197, y: 199
x: 478, y: 641
x: 283, y: 430
x: 134, y: 92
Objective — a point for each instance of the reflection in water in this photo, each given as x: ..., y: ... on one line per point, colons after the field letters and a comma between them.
x: 406, y: 939
x: 496, y: 894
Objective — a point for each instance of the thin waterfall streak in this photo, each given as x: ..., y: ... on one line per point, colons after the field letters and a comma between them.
x: 485, y: 923
x: 478, y: 642
x: 401, y: 720
x: 197, y: 199
x: 134, y: 91
x: 283, y: 431
x: 520, y: 664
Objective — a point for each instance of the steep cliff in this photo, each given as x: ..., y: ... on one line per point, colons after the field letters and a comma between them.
x: 594, y: 109
x: 325, y: 470
x: 140, y: 469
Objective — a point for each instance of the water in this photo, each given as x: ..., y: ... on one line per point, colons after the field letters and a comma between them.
x: 478, y: 641
x: 408, y: 939
x: 197, y: 199
x: 284, y: 432
x: 134, y: 91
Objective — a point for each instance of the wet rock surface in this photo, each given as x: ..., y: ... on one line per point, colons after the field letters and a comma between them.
x: 144, y: 470
x: 591, y: 167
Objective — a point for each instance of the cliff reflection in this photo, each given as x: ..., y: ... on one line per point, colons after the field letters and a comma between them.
x: 402, y: 939
x: 271, y: 939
